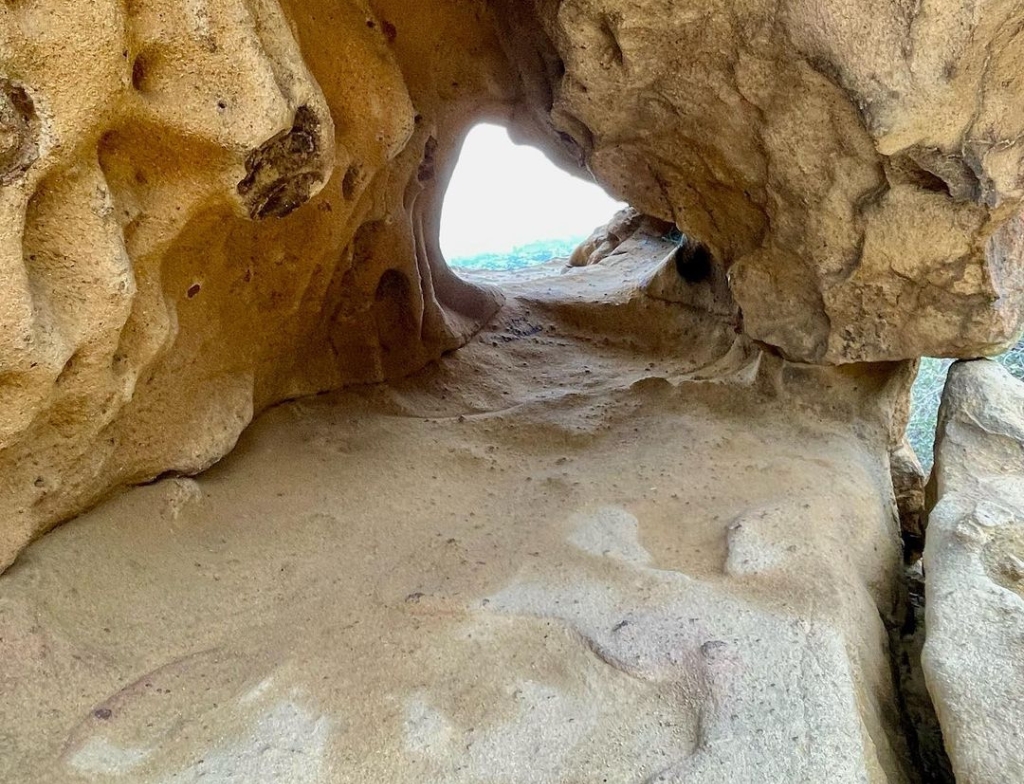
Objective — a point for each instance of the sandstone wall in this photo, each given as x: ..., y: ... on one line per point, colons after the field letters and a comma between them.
x: 855, y: 165
x: 206, y: 208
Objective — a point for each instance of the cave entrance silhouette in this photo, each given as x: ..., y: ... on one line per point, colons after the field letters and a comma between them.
x: 508, y: 206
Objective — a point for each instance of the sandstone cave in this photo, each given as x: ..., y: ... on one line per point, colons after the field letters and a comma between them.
x: 285, y: 498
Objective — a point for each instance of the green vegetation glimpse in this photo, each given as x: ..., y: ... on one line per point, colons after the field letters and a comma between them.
x: 519, y: 257
x: 927, y: 393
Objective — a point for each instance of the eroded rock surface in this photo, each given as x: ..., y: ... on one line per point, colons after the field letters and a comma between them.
x: 569, y: 552
x: 856, y: 167
x: 908, y: 480
x: 155, y: 295
x: 643, y: 528
x: 974, y: 559
x: 606, y: 240
x: 207, y: 208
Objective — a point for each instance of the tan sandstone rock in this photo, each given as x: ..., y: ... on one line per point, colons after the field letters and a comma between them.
x: 854, y: 165
x: 606, y: 240
x: 162, y: 279
x: 974, y: 560
x: 607, y: 540
x: 207, y: 208
x: 642, y: 528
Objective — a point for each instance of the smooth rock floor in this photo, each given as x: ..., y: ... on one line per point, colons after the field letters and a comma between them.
x: 558, y: 556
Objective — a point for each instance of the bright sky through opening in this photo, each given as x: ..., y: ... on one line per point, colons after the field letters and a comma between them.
x: 504, y: 196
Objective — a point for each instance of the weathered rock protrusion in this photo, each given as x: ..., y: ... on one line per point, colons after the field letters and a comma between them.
x: 287, y: 171
x: 19, y: 130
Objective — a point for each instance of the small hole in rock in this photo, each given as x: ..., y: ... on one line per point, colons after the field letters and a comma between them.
x: 427, y: 167
x: 693, y: 260
x: 140, y: 72
x: 350, y: 182
x: 393, y: 285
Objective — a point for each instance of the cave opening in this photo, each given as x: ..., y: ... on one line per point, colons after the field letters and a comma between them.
x: 509, y: 207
